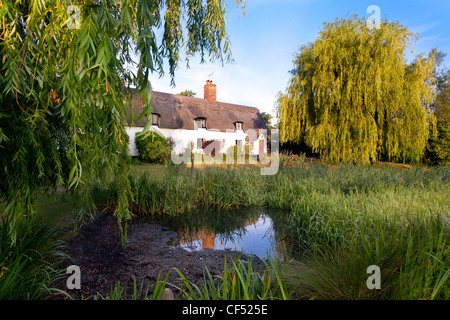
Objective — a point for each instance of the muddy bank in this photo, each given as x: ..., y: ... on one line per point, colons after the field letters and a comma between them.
x: 96, y: 249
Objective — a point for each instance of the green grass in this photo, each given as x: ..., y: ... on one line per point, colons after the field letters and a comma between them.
x: 28, y: 268
x: 348, y: 218
x: 158, y: 171
x: 343, y: 219
x: 154, y: 170
x: 120, y: 291
x: 56, y: 210
x: 240, y: 280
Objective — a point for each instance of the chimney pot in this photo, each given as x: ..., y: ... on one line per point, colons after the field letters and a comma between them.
x: 210, y: 92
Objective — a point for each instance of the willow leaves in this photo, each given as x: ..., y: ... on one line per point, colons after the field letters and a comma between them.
x: 353, y: 96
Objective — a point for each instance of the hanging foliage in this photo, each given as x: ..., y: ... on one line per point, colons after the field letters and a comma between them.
x: 66, y: 69
x: 353, y: 96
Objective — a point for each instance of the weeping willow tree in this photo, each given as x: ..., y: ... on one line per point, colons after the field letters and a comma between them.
x: 353, y: 96
x: 66, y: 69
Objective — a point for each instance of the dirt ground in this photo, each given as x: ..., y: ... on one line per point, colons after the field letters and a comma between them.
x: 96, y: 249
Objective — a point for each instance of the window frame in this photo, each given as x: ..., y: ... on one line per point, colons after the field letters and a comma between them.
x: 200, y: 140
x: 157, y: 119
x: 240, y: 124
x: 201, y: 122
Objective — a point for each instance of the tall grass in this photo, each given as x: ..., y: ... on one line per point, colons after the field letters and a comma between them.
x: 348, y: 218
x: 343, y: 219
x: 412, y: 267
x: 240, y: 281
x: 28, y: 268
x: 179, y: 193
x: 121, y: 291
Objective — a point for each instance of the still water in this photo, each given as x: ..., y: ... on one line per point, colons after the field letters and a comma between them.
x: 257, y: 230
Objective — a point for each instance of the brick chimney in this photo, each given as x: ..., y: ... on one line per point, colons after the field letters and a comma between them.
x: 210, y: 92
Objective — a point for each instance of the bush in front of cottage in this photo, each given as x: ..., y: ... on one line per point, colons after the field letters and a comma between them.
x: 154, y: 147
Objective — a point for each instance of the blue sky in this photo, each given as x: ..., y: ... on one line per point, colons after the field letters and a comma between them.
x: 263, y: 44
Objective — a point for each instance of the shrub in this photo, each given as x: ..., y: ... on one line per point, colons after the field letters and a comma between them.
x: 292, y: 160
x: 154, y: 147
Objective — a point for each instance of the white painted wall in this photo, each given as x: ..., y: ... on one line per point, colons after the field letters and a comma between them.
x: 183, y: 137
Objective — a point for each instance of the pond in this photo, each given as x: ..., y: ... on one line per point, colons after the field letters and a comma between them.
x: 256, y: 230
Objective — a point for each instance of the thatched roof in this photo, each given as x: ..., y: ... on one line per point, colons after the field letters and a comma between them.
x: 180, y: 112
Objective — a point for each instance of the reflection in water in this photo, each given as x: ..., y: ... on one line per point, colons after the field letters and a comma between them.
x: 259, y: 231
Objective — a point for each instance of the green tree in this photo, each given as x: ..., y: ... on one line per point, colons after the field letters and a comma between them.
x: 353, y: 96
x: 267, y: 117
x: 440, y: 143
x: 65, y: 82
x: 441, y: 105
x: 438, y: 148
x: 188, y: 93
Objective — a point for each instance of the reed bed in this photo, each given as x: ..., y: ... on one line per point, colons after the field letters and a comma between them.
x: 348, y: 218
x: 179, y: 193
x: 343, y: 219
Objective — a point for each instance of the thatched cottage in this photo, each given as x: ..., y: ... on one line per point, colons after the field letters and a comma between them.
x: 195, y: 121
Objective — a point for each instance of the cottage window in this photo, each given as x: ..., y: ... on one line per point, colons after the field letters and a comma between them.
x: 155, y: 119
x: 239, y: 143
x: 201, y: 123
x: 238, y: 125
x: 200, y: 143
